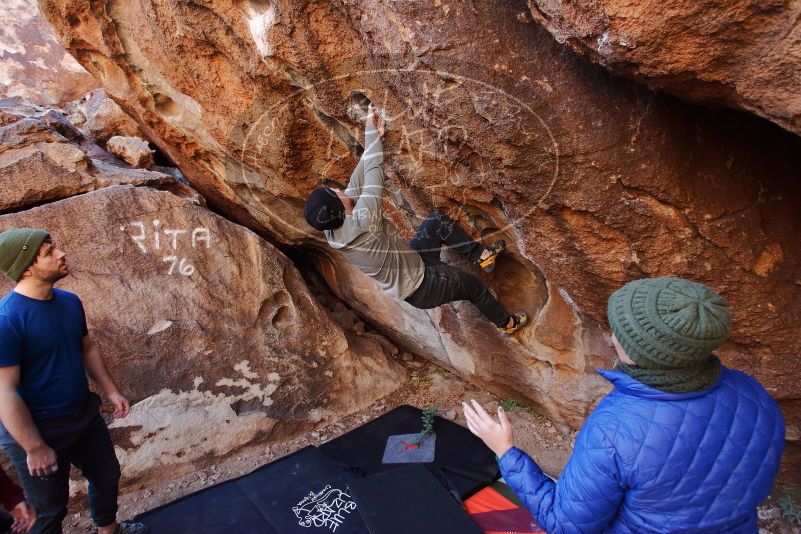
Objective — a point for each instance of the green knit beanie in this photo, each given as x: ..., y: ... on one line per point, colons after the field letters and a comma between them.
x: 668, y: 323
x: 18, y: 249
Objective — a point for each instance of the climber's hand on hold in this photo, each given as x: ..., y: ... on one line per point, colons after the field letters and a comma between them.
x: 374, y: 118
x: 496, y: 435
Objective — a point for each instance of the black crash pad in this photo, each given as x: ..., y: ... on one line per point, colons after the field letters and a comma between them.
x: 462, y: 463
x: 409, y: 500
x: 303, y: 493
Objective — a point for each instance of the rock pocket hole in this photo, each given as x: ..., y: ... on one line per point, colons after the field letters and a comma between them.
x: 282, y: 316
x: 518, y: 283
x: 277, y: 309
x: 166, y: 106
x: 518, y: 286
x: 357, y: 105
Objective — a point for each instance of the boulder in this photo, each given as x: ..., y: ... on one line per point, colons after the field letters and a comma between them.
x: 132, y: 150
x: 743, y: 54
x: 592, y: 179
x: 99, y: 118
x: 44, y: 158
x: 208, y: 329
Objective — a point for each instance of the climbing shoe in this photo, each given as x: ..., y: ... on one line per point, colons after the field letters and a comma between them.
x: 520, y: 320
x: 488, y: 264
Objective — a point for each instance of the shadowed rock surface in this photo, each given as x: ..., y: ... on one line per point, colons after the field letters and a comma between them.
x: 591, y: 179
x: 744, y: 54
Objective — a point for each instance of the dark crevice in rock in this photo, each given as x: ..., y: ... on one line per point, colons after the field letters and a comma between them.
x: 160, y: 158
x: 303, y: 259
x: 34, y: 205
x: 345, y: 316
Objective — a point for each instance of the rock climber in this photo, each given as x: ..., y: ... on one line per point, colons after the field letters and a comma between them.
x: 354, y: 224
x: 50, y: 419
x: 682, y: 444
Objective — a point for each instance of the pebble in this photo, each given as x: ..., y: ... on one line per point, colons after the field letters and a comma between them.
x: 450, y: 415
x: 768, y: 513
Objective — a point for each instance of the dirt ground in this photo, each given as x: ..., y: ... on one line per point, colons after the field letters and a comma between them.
x: 428, y: 385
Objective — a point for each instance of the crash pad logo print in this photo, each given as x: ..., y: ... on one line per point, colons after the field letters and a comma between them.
x: 324, y: 509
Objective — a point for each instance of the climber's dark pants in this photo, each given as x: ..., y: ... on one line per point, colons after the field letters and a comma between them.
x: 443, y: 283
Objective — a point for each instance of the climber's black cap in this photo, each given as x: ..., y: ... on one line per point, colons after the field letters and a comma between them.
x: 324, y: 210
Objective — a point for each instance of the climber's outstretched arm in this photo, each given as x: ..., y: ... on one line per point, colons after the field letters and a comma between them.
x: 367, y: 182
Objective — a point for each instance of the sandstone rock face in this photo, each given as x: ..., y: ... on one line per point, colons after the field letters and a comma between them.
x: 132, y: 150
x: 744, y: 54
x: 591, y: 179
x: 33, y: 65
x: 209, y: 330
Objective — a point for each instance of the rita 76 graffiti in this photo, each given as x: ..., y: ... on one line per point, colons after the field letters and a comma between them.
x: 169, y: 239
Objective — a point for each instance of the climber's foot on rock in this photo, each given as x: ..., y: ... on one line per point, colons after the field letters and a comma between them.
x: 517, y: 321
x: 487, y: 260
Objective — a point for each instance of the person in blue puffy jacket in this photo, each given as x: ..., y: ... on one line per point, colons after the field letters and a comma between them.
x: 682, y: 444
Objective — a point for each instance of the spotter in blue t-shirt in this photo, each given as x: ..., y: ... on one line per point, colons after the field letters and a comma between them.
x: 45, y: 338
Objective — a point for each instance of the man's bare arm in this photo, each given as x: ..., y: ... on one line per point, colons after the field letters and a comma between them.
x: 98, y: 373
x: 96, y: 367
x: 17, y: 419
x: 14, y: 413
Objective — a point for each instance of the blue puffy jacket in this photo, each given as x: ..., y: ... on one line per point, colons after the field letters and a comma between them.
x: 650, y: 461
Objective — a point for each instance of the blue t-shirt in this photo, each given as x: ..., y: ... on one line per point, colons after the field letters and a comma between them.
x: 45, y: 338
